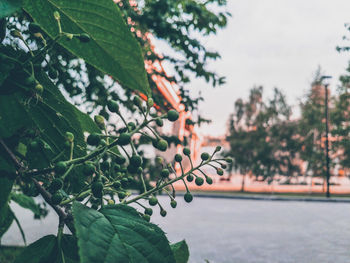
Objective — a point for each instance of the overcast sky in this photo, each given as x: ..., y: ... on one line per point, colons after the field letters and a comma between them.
x: 274, y: 43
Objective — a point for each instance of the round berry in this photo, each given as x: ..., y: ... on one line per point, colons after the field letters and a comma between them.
x: 69, y: 136
x: 124, y: 182
x: 147, y: 218
x: 97, y: 189
x: 132, y: 169
x: 111, y: 202
x: 153, y: 201
x: 124, y: 139
x: 173, y: 203
x: 148, y: 211
x: 120, y: 159
x: 34, y: 145
x: 188, y: 197
x: 229, y: 160
x: 219, y: 171
x: 164, y: 173
x: 39, y: 89
x: 113, y: 106
x: 163, y: 213
x: 218, y: 148
x: 136, y: 161
x: 34, y: 28
x: 139, y: 170
x: 150, y: 102
x: 205, y: 156
x: 159, y: 160
x: 223, y: 166
x: 189, y: 178
x: 172, y: 115
x: 53, y: 74
x: 178, y: 158
x: 186, y: 151
x: 209, y: 180
x: 137, y: 101
x: 60, y: 168
x: 56, y: 184
x: 117, y: 184
x: 162, y: 145
x: 100, y: 121
x: 159, y: 122
x: 93, y: 139
x: 199, y: 181
x: 84, y: 38
x: 56, y: 198
x: 132, y: 125
x: 121, y: 195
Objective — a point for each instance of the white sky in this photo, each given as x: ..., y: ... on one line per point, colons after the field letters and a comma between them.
x: 274, y: 43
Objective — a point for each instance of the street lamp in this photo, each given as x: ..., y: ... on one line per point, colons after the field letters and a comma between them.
x: 326, y: 123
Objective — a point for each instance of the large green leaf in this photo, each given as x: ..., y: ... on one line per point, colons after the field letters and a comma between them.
x: 45, y: 250
x: 180, y: 250
x: 112, y: 48
x: 6, y: 220
x: 26, y: 202
x: 117, y: 233
x: 7, y: 7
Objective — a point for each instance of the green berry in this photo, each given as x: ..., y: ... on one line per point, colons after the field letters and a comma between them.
x: 69, y: 136
x: 84, y: 38
x: 117, y: 184
x: 218, y: 148
x: 137, y: 101
x: 229, y: 160
x: 178, y: 158
x: 148, y: 211
x: 163, y: 213
x: 56, y: 184
x: 136, y: 160
x: 39, y: 89
x: 120, y: 159
x: 205, y: 156
x: 56, y: 198
x: 121, y: 195
x: 93, y: 139
x: 159, y: 160
x: 199, y: 181
x: 190, y: 178
x: 113, y: 106
x: 111, y: 202
x: 124, y: 182
x: 150, y: 102
x: 139, y: 170
x: 209, y: 180
x: 173, y: 203
x: 30, y: 81
x: 219, y: 171
x: 159, y: 122
x: 100, y: 121
x: 124, y: 139
x: 34, y: 145
x: 164, y: 173
x: 186, y: 151
x: 56, y: 15
x: 223, y: 166
x: 162, y: 145
x: 153, y: 201
x: 53, y: 74
x: 34, y: 28
x: 94, y: 206
x: 147, y: 218
x: 188, y: 197
x: 132, y: 169
x: 172, y: 115
x: 103, y: 142
x: 60, y: 167
x: 97, y: 189
x: 132, y: 125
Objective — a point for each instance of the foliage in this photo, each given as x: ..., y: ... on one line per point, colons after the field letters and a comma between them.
x: 49, y: 147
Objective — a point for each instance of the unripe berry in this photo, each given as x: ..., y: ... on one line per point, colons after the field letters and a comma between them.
x: 124, y: 139
x: 163, y: 213
x: 186, y: 151
x: 69, y: 136
x: 136, y: 161
x: 39, y: 89
x: 162, y: 145
x: 159, y: 160
x: 223, y: 166
x: 120, y: 159
x: 56, y: 15
x: 148, y: 211
x: 153, y: 201
x: 137, y: 101
x: 111, y: 202
x: 164, y: 173
x: 93, y: 139
x: 188, y: 197
x: 172, y: 115
x: 139, y: 171
x: 173, y: 203
x: 34, y: 145
x: 205, y: 156
x: 150, y: 102
x: 199, y: 181
x: 100, y: 121
x: 121, y: 195
x: 60, y: 168
x: 30, y: 81
x: 219, y: 171
x: 146, y: 217
x: 53, y: 74
x: 34, y: 28
x: 229, y: 160
x: 117, y: 184
x: 132, y: 125
x: 56, y: 198
x: 218, y: 148
x: 159, y: 122
x: 113, y: 106
x: 178, y: 158
x: 97, y: 189
x: 209, y: 180
x: 190, y: 178
x: 84, y: 38
x: 56, y: 184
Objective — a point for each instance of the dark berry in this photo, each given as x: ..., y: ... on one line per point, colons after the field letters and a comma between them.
x: 132, y: 125
x: 136, y: 160
x: 189, y: 178
x: 34, y: 28
x: 60, y: 168
x: 173, y: 203
x: 164, y: 173
x: 117, y: 184
x: 53, y: 74
x: 162, y: 145
x: 178, y: 158
x: 218, y: 148
x: 186, y: 151
x: 146, y: 217
x: 159, y: 122
x: 172, y: 115
x: 56, y: 184
x: 120, y: 159
x: 93, y: 139
x: 124, y: 139
x: 205, y: 156
x: 97, y: 189
x: 188, y: 197
x: 56, y: 198
x: 219, y: 171
x: 199, y: 181
x: 84, y: 38
x: 148, y: 211
x: 113, y: 106
x: 163, y: 213
x: 153, y: 201
x: 121, y: 195
x: 89, y: 169
x: 209, y: 180
x: 229, y: 160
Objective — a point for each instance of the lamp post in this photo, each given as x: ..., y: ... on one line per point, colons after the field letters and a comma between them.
x: 326, y: 123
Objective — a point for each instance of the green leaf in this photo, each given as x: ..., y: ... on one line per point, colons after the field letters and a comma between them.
x: 7, y: 7
x: 6, y: 220
x: 119, y: 234
x: 45, y: 250
x: 26, y: 202
x: 112, y: 48
x: 180, y: 250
